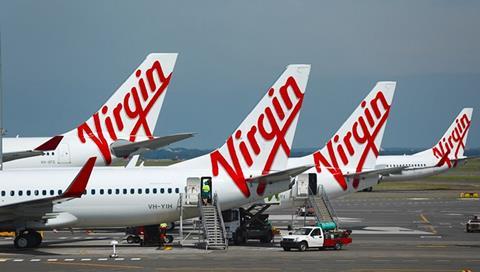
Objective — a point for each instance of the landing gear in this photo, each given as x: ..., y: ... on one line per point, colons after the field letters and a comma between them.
x: 27, y: 239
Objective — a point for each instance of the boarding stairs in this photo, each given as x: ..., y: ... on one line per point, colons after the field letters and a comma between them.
x: 322, y: 207
x: 213, y: 225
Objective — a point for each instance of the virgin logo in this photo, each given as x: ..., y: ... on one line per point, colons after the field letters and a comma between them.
x: 360, y: 138
x: 454, y: 142
x: 136, y: 105
x: 271, y: 125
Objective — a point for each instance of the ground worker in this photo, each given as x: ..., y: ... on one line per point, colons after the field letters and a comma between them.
x: 205, y: 192
x: 163, y: 233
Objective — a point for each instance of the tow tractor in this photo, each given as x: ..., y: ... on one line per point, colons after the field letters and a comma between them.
x: 244, y: 224
x: 315, y: 237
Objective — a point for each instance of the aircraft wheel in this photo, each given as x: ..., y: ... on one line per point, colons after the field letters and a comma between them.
x: 21, y: 241
x: 130, y: 239
x: 36, y: 238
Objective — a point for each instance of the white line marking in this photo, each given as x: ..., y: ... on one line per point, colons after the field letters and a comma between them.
x: 119, y: 259
x: 435, y: 237
x: 135, y: 259
x: 3, y: 260
x: 35, y: 260
x: 69, y: 260
x: 18, y: 260
x: 52, y: 260
x: 102, y: 259
x: 62, y: 238
x: 86, y: 259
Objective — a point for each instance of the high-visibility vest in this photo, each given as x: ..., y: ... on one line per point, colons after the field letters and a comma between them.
x: 206, y: 188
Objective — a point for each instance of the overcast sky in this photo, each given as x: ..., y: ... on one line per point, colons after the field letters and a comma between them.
x: 61, y: 60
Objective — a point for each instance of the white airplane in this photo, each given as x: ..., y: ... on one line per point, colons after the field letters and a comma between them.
x: 446, y: 154
x: 346, y: 164
x: 122, y: 127
x: 250, y: 165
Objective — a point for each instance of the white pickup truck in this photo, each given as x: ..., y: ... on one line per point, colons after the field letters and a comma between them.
x: 315, y: 237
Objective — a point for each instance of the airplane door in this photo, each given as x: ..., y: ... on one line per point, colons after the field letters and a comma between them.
x: 312, y: 183
x: 192, y: 191
x: 63, y: 154
x: 302, y: 185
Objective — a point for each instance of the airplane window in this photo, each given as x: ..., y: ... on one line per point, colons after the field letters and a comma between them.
x: 12, y: 193
x: 85, y: 192
x: 132, y: 191
x: 147, y: 191
x: 169, y: 190
x: 177, y: 190
x: 20, y: 193
x: 109, y: 191
x: 154, y: 190
x: 48, y: 153
x: 92, y: 191
x: 59, y: 192
x: 102, y: 191
x: 117, y: 191
x: 35, y: 192
x: 125, y: 191
x: 162, y: 190
x: 52, y: 192
x: 139, y: 191
x: 29, y: 192
x: 44, y: 192
x: 3, y: 193
x: 53, y: 153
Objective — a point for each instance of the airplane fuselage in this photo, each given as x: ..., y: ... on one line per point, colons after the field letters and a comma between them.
x: 118, y: 197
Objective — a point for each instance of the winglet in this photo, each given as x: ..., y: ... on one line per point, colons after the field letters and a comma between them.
x: 78, y: 185
x: 50, y: 144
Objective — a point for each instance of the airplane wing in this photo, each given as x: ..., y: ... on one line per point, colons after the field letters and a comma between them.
x: 36, y: 209
x: 376, y: 172
x: 123, y: 148
x: 51, y: 144
x: 280, y: 175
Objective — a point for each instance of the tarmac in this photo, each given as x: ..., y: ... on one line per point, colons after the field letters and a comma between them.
x: 392, y: 231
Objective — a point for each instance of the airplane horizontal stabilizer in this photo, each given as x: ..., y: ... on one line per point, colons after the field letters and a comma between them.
x: 123, y: 148
x: 280, y: 175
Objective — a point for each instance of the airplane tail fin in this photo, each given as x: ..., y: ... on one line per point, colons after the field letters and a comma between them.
x: 131, y: 113
x: 357, y: 143
x: 452, y: 144
x: 263, y: 141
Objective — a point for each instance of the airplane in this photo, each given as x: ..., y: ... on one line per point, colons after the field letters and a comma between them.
x: 347, y: 163
x: 250, y: 165
x: 121, y: 127
x: 448, y: 153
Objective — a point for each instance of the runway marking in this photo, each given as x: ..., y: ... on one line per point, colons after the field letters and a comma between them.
x: 429, y: 225
x: 135, y: 259
x: 69, y: 260
x: 119, y: 259
x: 52, y: 260
x: 18, y: 260
x: 435, y: 237
x: 3, y: 260
x: 102, y: 259
x: 62, y: 238
x: 99, y: 265
x: 35, y: 260
x: 424, y: 219
x: 85, y: 260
